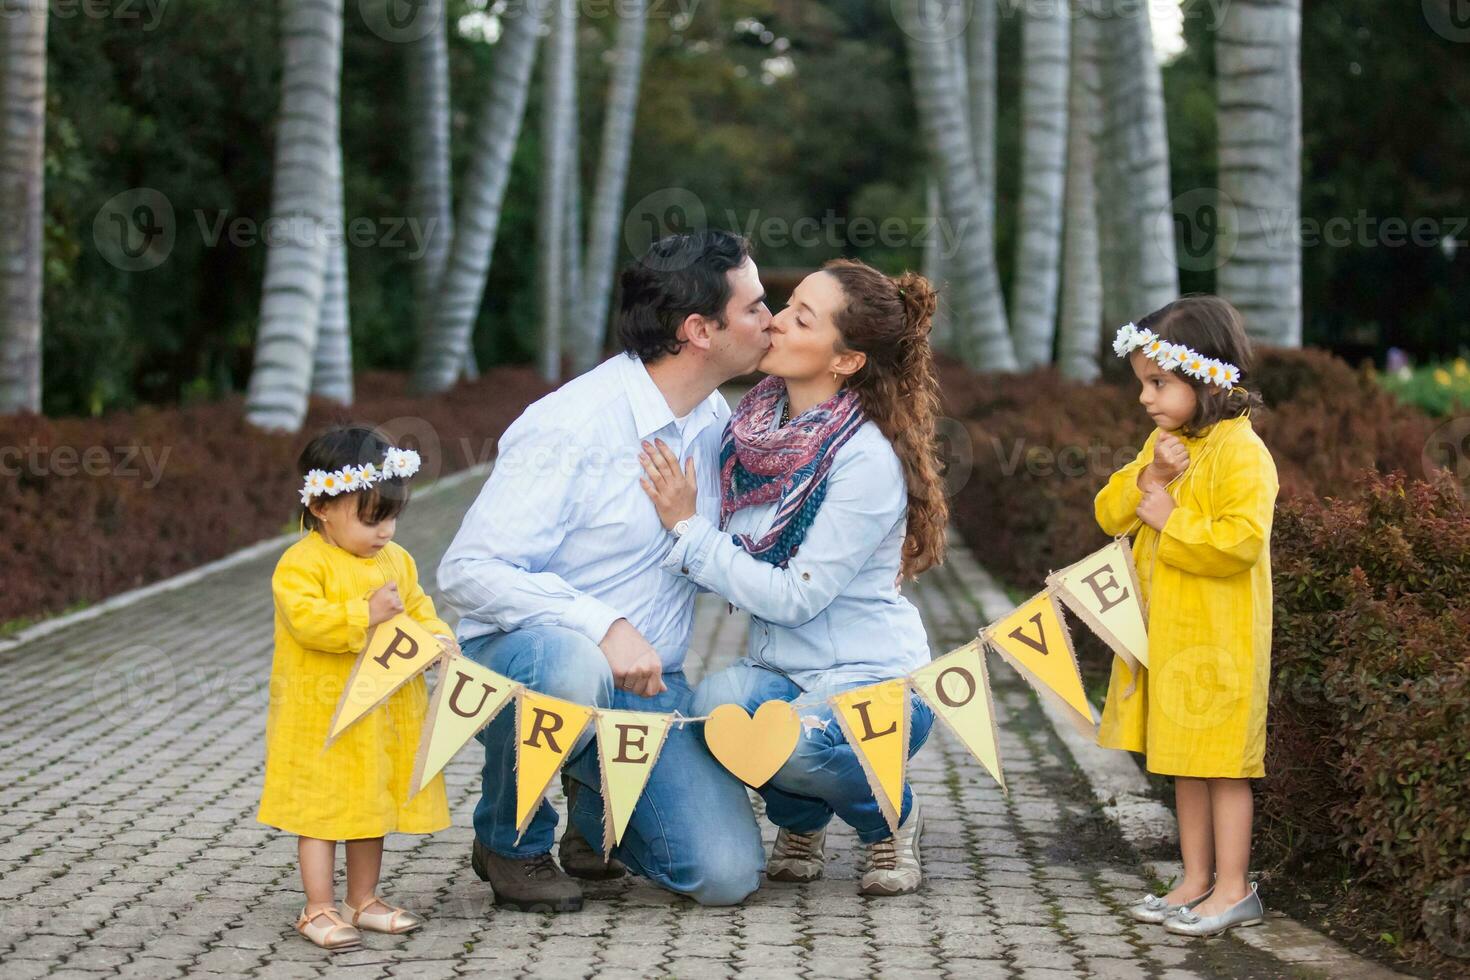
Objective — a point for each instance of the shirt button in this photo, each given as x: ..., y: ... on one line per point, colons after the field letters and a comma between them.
x: 806, y: 576
x: 684, y: 570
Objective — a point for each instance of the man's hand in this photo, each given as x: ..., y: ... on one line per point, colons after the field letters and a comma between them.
x: 1171, y: 459
x: 384, y: 604
x: 1155, y: 508
x: 635, y: 664
x: 673, y: 491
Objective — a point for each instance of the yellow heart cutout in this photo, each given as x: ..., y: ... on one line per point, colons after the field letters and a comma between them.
x: 753, y: 748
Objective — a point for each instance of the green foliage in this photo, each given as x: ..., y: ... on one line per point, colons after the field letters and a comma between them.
x: 1439, y: 389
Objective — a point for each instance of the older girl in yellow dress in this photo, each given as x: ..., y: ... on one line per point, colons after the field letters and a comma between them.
x: 1204, y: 490
x: 343, y: 577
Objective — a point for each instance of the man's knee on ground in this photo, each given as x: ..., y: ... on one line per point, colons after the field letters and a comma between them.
x: 725, y: 879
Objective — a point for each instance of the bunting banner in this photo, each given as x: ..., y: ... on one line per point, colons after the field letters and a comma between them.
x: 397, y: 651
x: 1102, y: 589
x: 875, y: 719
x: 468, y: 698
x: 547, y: 730
x: 628, y: 744
x: 957, y: 687
x: 1034, y: 640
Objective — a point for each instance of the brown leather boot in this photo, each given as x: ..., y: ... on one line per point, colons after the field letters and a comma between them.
x: 578, y: 857
x: 533, y: 884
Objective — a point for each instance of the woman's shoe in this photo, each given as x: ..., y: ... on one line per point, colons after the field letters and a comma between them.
x: 1154, y: 910
x: 894, y: 866
x: 393, y: 921
x: 1249, y: 911
x: 333, y: 935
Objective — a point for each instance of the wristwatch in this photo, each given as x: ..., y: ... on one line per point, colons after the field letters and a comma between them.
x: 681, y: 528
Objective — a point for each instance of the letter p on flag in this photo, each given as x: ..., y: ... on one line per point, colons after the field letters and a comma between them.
x: 397, y: 651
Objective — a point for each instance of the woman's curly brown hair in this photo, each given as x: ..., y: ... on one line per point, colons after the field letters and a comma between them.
x: 889, y: 319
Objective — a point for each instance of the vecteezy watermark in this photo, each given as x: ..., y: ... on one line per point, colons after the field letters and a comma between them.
x: 1448, y: 446
x: 147, y: 13
x: 127, y: 462
x: 137, y: 230
x: 1450, y: 19
x: 677, y: 210
x: 1200, y: 229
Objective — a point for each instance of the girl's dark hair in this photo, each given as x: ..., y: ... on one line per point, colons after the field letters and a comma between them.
x: 680, y: 275
x: 1214, y: 328
x: 353, y: 445
x: 889, y: 319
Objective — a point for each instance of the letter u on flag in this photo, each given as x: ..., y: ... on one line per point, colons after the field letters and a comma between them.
x: 1035, y: 641
x: 547, y: 729
x: 957, y: 687
x: 397, y: 651
x: 628, y: 744
x: 468, y: 698
x: 875, y: 719
x: 1102, y: 589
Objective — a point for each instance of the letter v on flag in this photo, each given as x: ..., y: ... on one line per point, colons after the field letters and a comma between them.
x: 468, y: 698
x: 628, y: 744
x: 397, y: 650
x: 875, y: 719
x: 1035, y: 641
x: 547, y: 729
x: 957, y: 687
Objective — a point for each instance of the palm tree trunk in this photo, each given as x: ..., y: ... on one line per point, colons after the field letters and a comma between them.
x: 1139, y: 270
x: 1045, y: 28
x: 296, y: 266
x: 1259, y: 106
x: 612, y: 175
x: 429, y: 164
x: 22, y: 195
x: 980, y: 42
x: 941, y: 335
x: 331, y: 375
x: 573, y: 241
x: 1079, y: 330
x: 555, y: 157
x: 457, y: 300
x: 939, y: 92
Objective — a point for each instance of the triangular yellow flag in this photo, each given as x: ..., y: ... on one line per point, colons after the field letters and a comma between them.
x: 1035, y: 641
x: 957, y: 687
x: 628, y: 744
x: 396, y: 651
x: 1102, y: 589
x: 468, y: 698
x: 546, y: 731
x: 876, y: 720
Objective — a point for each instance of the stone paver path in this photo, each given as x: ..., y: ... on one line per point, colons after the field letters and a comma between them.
x: 130, y: 766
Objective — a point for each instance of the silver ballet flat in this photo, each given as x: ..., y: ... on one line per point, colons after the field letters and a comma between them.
x: 1249, y: 911
x: 1154, y: 910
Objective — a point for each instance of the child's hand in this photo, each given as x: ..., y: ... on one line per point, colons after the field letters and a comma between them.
x: 384, y: 604
x: 1155, y: 508
x: 1170, y: 460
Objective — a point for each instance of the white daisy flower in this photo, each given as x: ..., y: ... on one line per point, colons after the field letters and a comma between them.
x: 1194, y: 366
x: 1232, y: 376
x: 306, y: 496
x: 1214, y: 372
x: 316, y: 482
x: 1123, y: 342
x: 369, y: 473
x: 401, y: 462
x: 332, y: 483
x: 351, y: 479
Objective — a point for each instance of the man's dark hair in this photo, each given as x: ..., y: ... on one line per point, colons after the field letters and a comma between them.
x: 678, y: 276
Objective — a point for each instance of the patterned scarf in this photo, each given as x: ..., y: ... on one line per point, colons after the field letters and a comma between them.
x: 759, y: 463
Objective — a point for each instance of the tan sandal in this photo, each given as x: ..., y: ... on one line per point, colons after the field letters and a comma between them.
x: 394, y: 921
x: 333, y: 935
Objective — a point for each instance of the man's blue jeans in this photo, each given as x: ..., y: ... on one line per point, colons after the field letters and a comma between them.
x: 693, y: 830
x: 823, y: 775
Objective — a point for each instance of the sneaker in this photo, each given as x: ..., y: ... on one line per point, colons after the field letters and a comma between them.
x: 893, y: 863
x: 797, y: 857
x: 533, y: 884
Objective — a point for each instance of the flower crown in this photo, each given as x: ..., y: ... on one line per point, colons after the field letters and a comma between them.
x: 396, y: 463
x: 1175, y: 356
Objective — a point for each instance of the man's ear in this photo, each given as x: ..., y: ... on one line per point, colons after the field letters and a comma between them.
x: 698, y: 330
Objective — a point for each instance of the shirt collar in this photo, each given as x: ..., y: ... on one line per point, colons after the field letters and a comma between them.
x: 651, y: 410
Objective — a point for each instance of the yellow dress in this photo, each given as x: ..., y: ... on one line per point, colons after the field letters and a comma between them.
x: 359, y: 787
x: 1200, y: 708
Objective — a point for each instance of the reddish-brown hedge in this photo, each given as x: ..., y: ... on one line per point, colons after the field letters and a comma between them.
x: 93, y: 507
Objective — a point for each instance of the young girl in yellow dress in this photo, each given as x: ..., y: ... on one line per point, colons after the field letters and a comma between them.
x: 343, y: 577
x: 1203, y: 489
